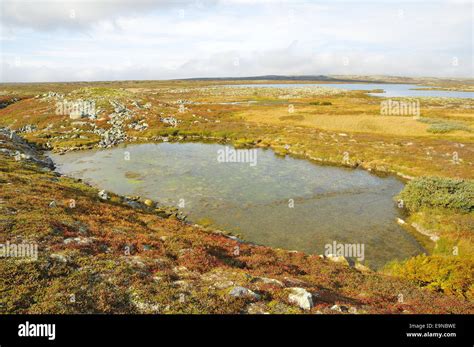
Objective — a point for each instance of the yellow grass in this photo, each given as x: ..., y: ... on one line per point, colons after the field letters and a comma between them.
x: 363, y: 123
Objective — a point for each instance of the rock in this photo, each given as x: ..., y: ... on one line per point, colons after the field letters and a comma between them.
x: 162, y: 213
x: 271, y: 281
x: 433, y: 236
x: 361, y: 267
x: 103, y: 195
x: 170, y: 121
x: 53, y: 95
x: 301, y: 297
x: 136, y: 104
x: 28, y: 128
x: 143, y: 306
x: 133, y: 204
x: 257, y: 308
x: 340, y: 308
x: 235, y: 238
x: 78, y: 240
x: 137, y: 261
x: 115, y: 134
x: 52, y: 204
x: 59, y: 257
x: 294, y: 282
x: 239, y: 292
x: 352, y: 310
x: 157, y: 279
x: 75, y: 115
x: 223, y: 284
x: 139, y: 126
x: 337, y: 259
x: 185, y: 285
x: 149, y: 202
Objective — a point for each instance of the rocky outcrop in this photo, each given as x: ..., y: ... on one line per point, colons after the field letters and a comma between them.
x: 115, y: 134
x: 15, y: 146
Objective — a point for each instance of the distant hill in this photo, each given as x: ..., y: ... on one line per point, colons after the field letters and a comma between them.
x: 459, y: 83
x: 315, y: 78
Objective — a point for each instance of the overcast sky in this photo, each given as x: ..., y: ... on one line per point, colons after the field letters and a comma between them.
x: 140, y: 39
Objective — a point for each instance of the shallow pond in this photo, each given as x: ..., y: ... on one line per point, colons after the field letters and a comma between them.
x: 391, y: 90
x: 280, y: 202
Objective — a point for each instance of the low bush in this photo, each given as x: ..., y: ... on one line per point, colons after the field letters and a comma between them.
x: 442, y: 127
x: 448, y: 274
x: 433, y: 192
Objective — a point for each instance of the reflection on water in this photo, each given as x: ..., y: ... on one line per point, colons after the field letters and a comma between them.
x: 330, y: 203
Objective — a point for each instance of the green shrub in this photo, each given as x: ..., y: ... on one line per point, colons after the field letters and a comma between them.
x: 432, y: 192
x: 442, y: 127
x: 451, y: 275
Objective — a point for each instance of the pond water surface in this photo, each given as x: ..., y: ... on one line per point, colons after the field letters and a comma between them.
x: 281, y: 202
x: 390, y: 90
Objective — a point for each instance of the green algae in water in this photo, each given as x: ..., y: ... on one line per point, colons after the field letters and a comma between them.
x: 330, y: 203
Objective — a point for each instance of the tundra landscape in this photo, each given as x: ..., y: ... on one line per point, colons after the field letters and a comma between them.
x: 274, y: 168
x: 103, y: 252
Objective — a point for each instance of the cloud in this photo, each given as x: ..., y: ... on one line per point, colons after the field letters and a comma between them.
x: 160, y: 40
x: 48, y: 15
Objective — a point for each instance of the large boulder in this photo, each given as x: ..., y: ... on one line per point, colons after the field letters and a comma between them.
x: 301, y: 297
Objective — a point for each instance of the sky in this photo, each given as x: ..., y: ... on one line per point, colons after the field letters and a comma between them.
x: 50, y: 41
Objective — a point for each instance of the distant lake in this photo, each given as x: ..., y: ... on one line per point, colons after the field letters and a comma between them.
x: 281, y: 202
x: 391, y: 90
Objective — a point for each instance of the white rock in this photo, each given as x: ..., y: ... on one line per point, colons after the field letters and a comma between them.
x: 103, y: 195
x: 75, y: 115
x: 337, y: 259
x: 301, y: 297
